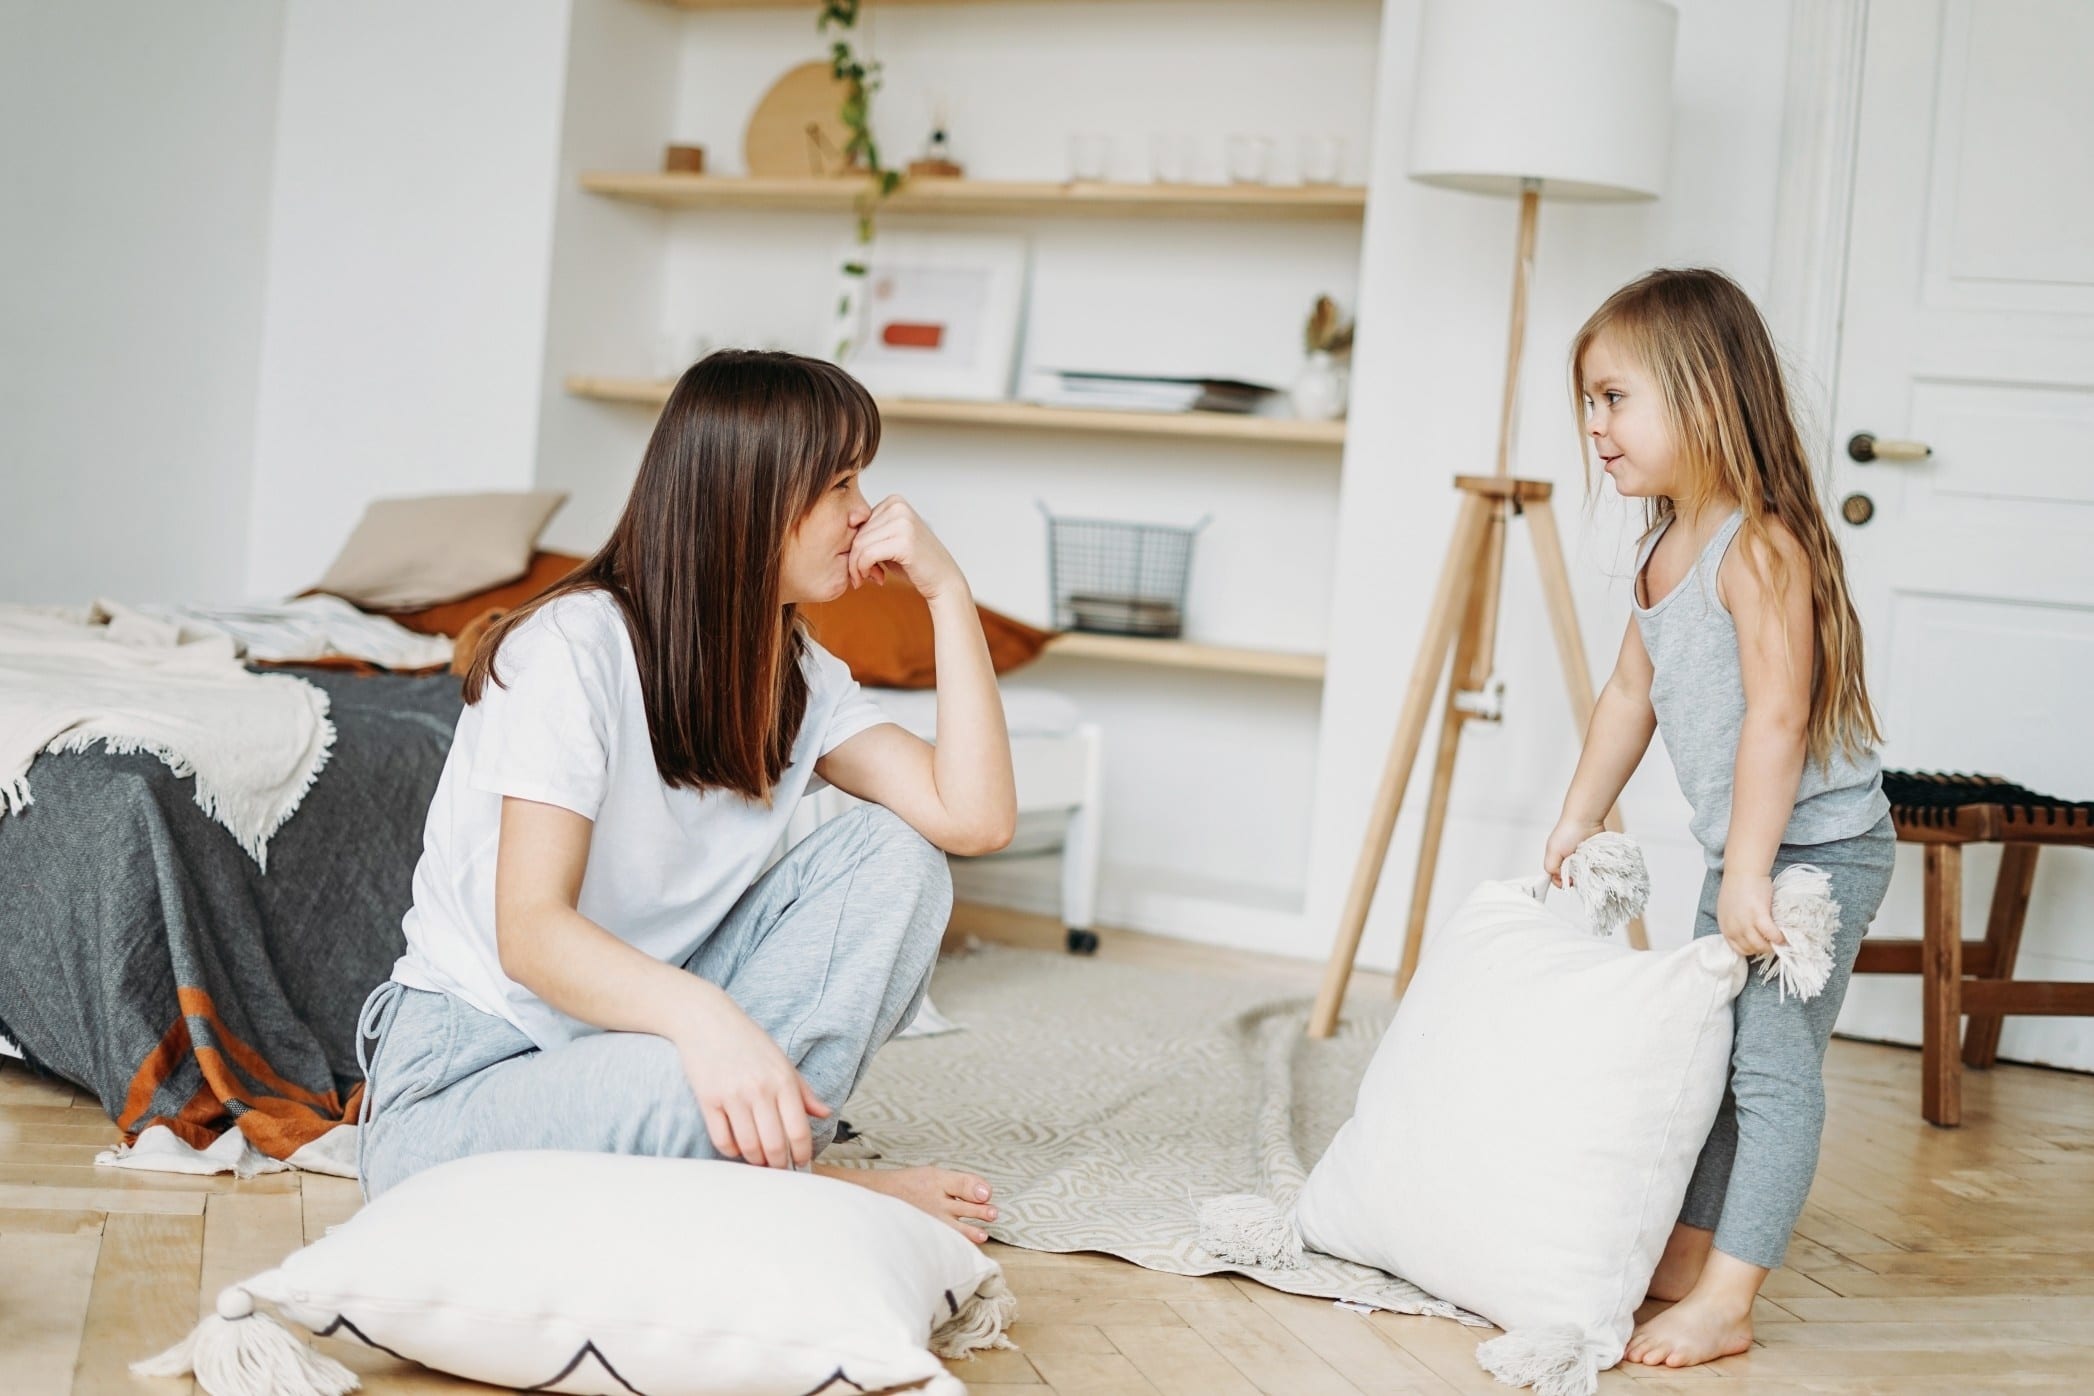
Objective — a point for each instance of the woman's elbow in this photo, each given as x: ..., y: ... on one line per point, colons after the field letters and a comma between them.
x: 515, y: 943
x: 990, y: 835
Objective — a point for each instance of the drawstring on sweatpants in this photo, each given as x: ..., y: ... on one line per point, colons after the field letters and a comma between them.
x: 372, y: 1024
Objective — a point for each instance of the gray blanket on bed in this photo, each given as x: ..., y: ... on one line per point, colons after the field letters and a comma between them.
x: 144, y: 957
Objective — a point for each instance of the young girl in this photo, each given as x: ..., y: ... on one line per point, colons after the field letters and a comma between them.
x: 1744, y: 649
x: 595, y: 957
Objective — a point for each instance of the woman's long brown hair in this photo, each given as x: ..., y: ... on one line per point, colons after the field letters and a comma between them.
x: 1699, y: 335
x: 744, y: 448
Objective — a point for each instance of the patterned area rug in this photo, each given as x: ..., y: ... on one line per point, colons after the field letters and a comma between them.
x: 1105, y: 1102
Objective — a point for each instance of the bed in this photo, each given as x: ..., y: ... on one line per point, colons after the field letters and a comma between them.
x: 148, y: 959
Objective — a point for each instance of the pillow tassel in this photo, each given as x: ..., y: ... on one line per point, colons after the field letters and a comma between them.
x: 1808, y: 918
x: 1246, y: 1229
x: 1609, y: 875
x: 1555, y: 1359
x: 238, y: 1352
x: 979, y: 1323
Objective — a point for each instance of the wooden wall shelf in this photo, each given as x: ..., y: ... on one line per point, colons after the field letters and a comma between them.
x: 1185, y: 654
x: 1327, y: 203
x: 1199, y: 426
x: 804, y: 4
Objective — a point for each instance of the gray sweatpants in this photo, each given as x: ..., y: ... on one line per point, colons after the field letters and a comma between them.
x: 829, y: 952
x: 1756, y: 1169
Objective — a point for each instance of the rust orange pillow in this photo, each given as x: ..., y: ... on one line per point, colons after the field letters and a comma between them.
x: 452, y: 617
x: 884, y: 634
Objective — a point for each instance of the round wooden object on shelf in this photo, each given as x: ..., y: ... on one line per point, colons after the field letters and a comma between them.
x: 797, y: 128
x: 683, y: 159
x: 934, y: 169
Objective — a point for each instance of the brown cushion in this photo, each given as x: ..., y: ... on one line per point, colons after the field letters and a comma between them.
x: 429, y: 549
x: 453, y: 617
x: 884, y: 634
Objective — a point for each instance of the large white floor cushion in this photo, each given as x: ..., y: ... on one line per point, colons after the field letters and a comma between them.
x: 596, y: 1273
x: 1525, y: 1133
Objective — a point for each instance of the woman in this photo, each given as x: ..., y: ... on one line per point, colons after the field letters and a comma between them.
x: 596, y: 958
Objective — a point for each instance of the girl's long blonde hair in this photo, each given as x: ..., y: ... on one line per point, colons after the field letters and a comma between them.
x: 1701, y: 338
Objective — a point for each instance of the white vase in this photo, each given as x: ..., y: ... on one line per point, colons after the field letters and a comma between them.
x: 1319, y: 389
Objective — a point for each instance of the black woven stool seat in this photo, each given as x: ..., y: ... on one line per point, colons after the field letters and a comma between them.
x: 1936, y: 800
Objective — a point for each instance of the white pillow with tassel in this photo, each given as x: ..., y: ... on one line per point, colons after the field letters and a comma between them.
x: 1524, y: 1135
x: 601, y: 1273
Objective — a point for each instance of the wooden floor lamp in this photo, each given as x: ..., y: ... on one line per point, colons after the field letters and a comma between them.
x: 1569, y: 98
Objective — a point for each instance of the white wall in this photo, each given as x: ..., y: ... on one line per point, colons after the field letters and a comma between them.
x: 133, y: 229
x: 609, y: 261
x: 1429, y: 368
x: 411, y: 233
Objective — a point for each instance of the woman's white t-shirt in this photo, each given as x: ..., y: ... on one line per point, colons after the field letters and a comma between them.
x: 566, y: 727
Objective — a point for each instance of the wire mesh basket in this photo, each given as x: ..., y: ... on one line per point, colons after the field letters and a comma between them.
x: 1117, y: 578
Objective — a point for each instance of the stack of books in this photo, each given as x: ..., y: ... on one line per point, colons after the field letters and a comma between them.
x: 1132, y: 392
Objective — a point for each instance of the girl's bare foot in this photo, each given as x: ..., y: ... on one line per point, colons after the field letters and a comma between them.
x: 1679, y: 1269
x: 955, y: 1198
x: 1714, y: 1320
x: 1697, y: 1329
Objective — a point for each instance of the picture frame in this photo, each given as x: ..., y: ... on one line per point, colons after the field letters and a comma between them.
x: 933, y: 315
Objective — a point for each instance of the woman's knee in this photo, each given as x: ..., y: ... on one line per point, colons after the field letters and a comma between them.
x: 905, y: 854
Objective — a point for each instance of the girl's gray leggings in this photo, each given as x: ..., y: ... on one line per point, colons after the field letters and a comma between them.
x: 1755, y: 1172
x: 829, y: 952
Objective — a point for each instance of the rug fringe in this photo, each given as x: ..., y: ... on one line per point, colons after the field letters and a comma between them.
x: 1246, y: 1229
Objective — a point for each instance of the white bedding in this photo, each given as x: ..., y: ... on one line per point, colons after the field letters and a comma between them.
x: 112, y: 677
x: 313, y: 627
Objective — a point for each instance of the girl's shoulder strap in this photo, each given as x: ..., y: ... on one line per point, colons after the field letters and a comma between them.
x: 1719, y: 542
x: 1649, y: 544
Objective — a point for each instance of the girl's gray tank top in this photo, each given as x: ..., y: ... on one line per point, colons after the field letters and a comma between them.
x: 1698, y: 693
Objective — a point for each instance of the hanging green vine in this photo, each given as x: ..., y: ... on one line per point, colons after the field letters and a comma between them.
x: 861, y: 79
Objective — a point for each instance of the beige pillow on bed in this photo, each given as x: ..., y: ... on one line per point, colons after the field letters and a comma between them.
x: 433, y: 548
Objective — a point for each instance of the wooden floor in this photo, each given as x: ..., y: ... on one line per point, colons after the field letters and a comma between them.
x: 1928, y: 1260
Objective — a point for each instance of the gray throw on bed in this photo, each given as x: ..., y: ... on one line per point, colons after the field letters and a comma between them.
x: 144, y: 956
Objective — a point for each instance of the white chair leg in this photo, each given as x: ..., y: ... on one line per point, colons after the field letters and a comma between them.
x: 1082, y: 846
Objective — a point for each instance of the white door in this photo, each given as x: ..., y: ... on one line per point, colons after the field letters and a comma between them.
x: 1969, y: 326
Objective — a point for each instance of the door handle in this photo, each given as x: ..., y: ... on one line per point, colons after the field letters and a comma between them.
x: 1863, y: 447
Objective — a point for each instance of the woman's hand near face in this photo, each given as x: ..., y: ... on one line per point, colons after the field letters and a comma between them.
x: 895, y: 536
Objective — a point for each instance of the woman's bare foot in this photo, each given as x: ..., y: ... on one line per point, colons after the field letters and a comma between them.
x: 1693, y: 1331
x: 951, y: 1196
x: 1686, y: 1252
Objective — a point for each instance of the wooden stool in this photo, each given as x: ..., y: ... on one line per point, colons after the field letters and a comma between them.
x: 1943, y: 813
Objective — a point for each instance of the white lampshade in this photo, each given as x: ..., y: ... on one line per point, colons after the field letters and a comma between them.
x: 1574, y: 93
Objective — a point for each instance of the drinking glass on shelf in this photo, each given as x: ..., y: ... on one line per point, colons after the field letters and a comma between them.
x: 1322, y: 159
x: 1250, y: 159
x: 1090, y: 157
x: 1170, y: 158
